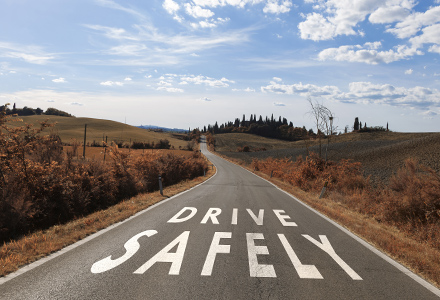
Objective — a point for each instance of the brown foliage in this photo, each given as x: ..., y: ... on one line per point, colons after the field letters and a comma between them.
x: 41, y: 187
x: 411, y: 201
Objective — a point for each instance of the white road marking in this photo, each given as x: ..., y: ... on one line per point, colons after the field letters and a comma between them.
x: 131, y: 247
x: 258, y: 220
x: 282, y: 218
x: 234, y: 216
x: 256, y: 269
x: 212, y: 214
x: 327, y: 247
x: 214, y: 249
x: 304, y: 271
x: 165, y: 256
x: 176, y: 219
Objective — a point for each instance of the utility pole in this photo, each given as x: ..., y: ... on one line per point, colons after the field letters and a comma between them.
x: 85, y: 138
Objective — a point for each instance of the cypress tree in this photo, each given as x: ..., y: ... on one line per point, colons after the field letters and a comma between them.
x: 356, y: 124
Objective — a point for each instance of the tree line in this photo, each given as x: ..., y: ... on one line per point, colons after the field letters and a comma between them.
x: 28, y: 111
x: 271, y: 127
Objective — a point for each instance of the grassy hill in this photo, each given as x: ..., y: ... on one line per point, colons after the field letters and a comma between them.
x: 73, y: 128
x: 381, y: 153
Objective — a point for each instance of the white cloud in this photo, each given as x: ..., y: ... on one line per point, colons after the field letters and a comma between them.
x: 170, y: 6
x: 415, y: 22
x: 76, y: 103
x: 277, y: 79
x: 365, y: 92
x: 389, y: 14
x: 31, y: 54
x: 164, y: 83
x: 430, y: 35
x: 206, y: 81
x: 236, y: 3
x: 112, y: 83
x: 127, y: 79
x: 316, y: 28
x: 150, y: 47
x: 341, y: 17
x: 368, y: 53
x: 59, y: 80
x: 114, y: 5
x: 113, y: 33
x: 209, y: 23
x: 301, y: 89
x: 248, y: 90
x: 277, y: 6
x: 170, y: 89
x: 196, y: 11
x: 409, y: 72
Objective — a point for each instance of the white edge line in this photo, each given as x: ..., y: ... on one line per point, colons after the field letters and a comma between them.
x: 379, y: 253
x: 43, y: 260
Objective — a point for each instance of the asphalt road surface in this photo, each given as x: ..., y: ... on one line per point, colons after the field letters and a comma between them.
x: 236, y: 236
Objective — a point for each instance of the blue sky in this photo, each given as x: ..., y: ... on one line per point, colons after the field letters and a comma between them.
x: 190, y: 63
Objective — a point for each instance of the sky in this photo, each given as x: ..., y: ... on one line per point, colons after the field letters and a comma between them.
x: 186, y: 64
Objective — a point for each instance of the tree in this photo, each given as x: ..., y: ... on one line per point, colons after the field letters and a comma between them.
x: 57, y: 112
x: 356, y: 124
x: 323, y: 119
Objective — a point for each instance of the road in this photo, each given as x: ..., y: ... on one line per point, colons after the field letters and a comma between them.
x: 236, y: 236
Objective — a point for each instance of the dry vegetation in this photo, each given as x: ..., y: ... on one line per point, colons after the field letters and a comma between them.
x: 401, y: 215
x: 41, y: 185
x: 380, y: 153
x: 27, y: 249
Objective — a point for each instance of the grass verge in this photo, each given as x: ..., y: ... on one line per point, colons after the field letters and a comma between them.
x: 28, y: 249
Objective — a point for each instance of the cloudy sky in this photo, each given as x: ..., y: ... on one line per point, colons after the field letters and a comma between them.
x: 183, y: 63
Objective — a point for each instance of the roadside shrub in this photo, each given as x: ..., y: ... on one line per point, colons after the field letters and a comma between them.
x: 411, y: 201
x: 244, y: 149
x: 41, y: 186
x: 413, y: 195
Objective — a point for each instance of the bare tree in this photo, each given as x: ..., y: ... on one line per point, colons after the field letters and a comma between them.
x: 323, y: 119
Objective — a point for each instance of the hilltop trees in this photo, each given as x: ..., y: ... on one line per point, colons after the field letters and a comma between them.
x: 272, y: 128
x: 357, y: 127
x: 28, y: 111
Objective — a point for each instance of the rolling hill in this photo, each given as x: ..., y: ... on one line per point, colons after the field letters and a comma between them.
x: 73, y: 128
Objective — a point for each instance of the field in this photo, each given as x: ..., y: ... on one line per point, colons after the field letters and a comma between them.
x: 73, y: 129
x: 381, y: 154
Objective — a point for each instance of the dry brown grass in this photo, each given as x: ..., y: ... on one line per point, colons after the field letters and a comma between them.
x: 73, y: 129
x: 30, y: 248
x: 97, y: 153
